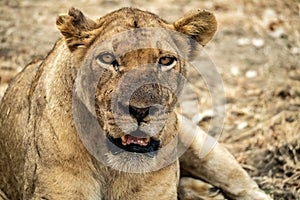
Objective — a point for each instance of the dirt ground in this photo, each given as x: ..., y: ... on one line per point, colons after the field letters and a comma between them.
x: 256, y: 51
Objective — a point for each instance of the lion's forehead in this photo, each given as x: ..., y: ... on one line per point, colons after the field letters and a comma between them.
x: 131, y: 17
x: 129, y: 29
x: 126, y: 40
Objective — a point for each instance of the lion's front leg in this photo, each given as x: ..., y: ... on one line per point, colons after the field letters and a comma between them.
x: 218, y: 166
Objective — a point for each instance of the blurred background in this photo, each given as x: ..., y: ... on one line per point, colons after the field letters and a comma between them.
x: 256, y: 51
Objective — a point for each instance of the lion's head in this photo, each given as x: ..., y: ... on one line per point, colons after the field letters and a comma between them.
x: 134, y: 62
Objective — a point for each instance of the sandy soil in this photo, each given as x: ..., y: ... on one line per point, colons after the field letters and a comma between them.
x: 256, y: 51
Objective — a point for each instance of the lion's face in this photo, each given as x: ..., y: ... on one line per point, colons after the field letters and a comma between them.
x: 137, y: 63
x: 137, y: 91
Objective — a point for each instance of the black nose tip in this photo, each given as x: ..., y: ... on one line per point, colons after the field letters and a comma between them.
x: 139, y: 114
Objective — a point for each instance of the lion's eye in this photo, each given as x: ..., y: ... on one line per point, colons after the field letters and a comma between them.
x: 106, y: 58
x: 167, y: 62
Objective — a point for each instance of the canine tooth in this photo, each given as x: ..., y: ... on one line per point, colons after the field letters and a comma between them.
x: 124, y: 139
x: 147, y: 139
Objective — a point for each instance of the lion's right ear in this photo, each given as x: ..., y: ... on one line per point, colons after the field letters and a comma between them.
x: 75, y: 28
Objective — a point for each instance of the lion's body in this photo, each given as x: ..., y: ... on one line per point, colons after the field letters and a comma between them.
x: 42, y: 156
x: 42, y: 146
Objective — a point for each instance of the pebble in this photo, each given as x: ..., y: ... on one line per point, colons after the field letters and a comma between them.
x: 243, y: 41
x: 269, y: 15
x: 295, y: 50
x: 242, y: 125
x: 257, y: 42
x: 234, y: 71
x: 251, y: 74
x: 277, y: 33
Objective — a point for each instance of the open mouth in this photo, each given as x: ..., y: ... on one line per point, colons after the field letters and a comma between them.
x: 146, y: 144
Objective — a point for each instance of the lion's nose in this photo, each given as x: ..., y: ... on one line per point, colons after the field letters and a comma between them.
x: 140, y: 114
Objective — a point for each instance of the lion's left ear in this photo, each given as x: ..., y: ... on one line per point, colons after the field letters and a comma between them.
x: 75, y: 28
x: 201, y: 25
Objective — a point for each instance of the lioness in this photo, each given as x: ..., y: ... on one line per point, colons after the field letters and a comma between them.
x: 78, y: 126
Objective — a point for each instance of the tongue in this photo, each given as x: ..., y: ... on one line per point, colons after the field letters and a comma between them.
x: 135, y: 140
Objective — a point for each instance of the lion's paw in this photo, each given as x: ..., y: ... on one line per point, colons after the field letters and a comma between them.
x: 194, y: 189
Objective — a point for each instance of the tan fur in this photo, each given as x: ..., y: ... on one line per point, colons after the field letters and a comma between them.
x: 42, y: 156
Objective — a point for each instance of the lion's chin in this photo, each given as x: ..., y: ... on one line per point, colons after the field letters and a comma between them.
x: 145, y: 145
